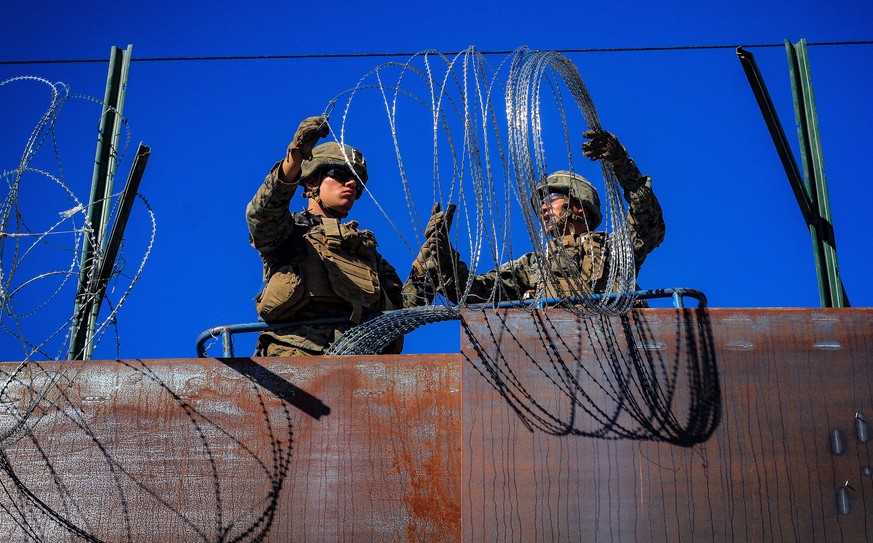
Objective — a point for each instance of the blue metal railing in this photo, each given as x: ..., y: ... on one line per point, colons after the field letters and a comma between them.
x: 677, y: 294
x: 227, y: 331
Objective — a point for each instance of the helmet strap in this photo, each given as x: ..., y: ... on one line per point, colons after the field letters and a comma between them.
x: 567, y: 222
x: 574, y: 218
x: 560, y: 222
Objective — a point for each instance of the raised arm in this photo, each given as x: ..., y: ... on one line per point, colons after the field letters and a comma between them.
x: 644, y: 214
x: 267, y: 215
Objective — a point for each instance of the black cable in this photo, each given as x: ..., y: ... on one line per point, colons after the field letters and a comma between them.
x: 451, y: 53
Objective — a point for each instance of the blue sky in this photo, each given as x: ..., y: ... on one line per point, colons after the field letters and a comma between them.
x: 215, y: 127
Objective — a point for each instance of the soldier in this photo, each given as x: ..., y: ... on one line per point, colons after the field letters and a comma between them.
x: 316, y: 266
x: 570, y: 210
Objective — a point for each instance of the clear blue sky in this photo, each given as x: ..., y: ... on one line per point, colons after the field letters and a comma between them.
x: 215, y: 127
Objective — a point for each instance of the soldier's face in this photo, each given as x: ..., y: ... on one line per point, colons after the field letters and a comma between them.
x: 338, y: 192
x: 552, y: 210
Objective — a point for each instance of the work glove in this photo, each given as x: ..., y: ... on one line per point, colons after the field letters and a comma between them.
x: 437, y: 254
x: 604, y: 146
x: 308, y: 133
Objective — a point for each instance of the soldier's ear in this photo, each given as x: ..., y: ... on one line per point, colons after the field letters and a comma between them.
x: 310, y: 182
x: 576, y: 206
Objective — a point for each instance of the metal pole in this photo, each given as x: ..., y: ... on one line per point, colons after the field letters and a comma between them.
x: 821, y: 229
x: 107, y: 260
x: 765, y: 103
x: 815, y: 210
x: 98, y: 209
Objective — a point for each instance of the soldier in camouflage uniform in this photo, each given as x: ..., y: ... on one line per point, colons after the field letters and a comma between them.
x: 570, y: 210
x: 316, y: 266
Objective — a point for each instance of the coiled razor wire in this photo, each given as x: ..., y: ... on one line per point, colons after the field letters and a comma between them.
x: 368, y: 337
x: 490, y: 151
x: 487, y: 158
x: 41, y: 252
x: 529, y: 68
x: 623, y: 390
x: 40, y: 255
x: 489, y: 165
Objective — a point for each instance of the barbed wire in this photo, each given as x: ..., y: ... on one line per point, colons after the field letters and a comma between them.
x: 487, y: 128
x: 488, y: 166
x: 41, y: 250
x: 491, y: 170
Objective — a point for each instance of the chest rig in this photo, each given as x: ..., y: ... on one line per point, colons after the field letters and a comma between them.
x: 333, y: 264
x: 578, y: 265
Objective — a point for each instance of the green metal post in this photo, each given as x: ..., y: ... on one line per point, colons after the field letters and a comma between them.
x: 93, y: 246
x: 821, y: 229
x: 811, y: 189
x: 786, y: 155
x: 107, y: 262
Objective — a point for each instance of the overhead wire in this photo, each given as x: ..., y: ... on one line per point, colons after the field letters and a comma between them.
x: 309, y: 56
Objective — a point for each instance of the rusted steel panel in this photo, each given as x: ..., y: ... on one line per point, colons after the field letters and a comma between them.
x: 329, y: 449
x: 669, y: 425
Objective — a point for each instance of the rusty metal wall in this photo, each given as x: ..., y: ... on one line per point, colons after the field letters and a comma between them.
x: 351, y: 449
x: 669, y: 425
x: 541, y: 465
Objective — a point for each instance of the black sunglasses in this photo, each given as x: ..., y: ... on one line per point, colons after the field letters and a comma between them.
x: 340, y: 174
x: 343, y: 175
x: 546, y: 196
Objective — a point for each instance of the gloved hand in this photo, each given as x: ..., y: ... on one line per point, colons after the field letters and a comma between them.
x: 437, y: 254
x: 308, y: 133
x: 440, y: 222
x: 603, y: 146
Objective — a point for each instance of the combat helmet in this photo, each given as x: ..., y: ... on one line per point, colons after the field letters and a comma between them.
x: 578, y: 188
x: 329, y: 155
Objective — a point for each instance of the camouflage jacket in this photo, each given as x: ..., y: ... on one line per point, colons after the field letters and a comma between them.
x: 590, y: 253
x: 277, y: 235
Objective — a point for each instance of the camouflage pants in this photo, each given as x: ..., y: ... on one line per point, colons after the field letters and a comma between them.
x: 277, y: 349
x: 309, y: 341
x: 301, y: 340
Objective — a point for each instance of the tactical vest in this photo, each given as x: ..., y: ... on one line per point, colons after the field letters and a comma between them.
x: 578, y: 266
x: 336, y: 264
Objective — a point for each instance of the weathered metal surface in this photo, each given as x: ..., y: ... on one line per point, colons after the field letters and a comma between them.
x: 669, y: 425
x: 789, y: 384
x: 332, y: 449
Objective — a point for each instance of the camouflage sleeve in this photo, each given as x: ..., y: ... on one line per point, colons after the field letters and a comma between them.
x: 509, y: 281
x: 393, y: 290
x: 416, y: 292
x: 267, y: 214
x: 419, y: 291
x: 390, y: 282
x: 644, y: 216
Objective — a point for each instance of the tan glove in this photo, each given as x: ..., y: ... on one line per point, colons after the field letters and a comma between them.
x: 437, y: 254
x: 604, y: 146
x: 308, y: 133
